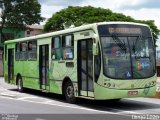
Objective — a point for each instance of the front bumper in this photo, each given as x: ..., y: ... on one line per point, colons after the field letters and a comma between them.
x: 102, y: 93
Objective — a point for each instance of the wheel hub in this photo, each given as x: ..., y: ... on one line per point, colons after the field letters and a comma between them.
x: 69, y: 91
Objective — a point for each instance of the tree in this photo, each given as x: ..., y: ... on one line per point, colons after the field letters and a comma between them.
x: 19, y: 13
x: 83, y: 15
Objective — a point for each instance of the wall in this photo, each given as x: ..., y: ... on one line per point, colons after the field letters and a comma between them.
x: 33, y: 32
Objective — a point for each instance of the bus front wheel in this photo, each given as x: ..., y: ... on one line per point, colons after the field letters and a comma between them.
x: 69, y: 93
x: 20, y: 84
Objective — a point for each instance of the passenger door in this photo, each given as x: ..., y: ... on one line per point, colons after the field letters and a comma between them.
x: 10, y: 65
x: 44, y: 66
x: 85, y: 67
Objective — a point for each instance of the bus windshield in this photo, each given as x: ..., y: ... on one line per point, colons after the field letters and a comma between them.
x: 128, y: 57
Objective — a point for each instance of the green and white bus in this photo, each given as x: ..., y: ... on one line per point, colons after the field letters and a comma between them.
x: 100, y: 61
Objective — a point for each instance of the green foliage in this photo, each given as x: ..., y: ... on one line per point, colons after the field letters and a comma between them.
x: 84, y: 15
x: 19, y: 13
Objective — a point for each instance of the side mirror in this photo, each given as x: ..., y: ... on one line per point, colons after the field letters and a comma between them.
x: 95, y: 49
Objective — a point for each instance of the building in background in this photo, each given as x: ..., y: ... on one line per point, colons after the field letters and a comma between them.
x: 33, y: 30
x: 8, y: 34
x: 13, y: 33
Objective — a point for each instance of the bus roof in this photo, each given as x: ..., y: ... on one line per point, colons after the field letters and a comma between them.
x: 71, y: 30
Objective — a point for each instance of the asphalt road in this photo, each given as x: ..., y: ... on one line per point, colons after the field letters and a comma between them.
x: 43, y: 106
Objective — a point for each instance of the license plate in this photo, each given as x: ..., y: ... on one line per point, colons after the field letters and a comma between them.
x: 132, y: 93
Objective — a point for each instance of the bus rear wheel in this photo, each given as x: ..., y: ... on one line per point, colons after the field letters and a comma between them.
x: 69, y: 93
x: 20, y: 84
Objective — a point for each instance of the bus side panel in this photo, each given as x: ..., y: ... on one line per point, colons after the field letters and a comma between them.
x: 28, y: 69
x: 59, y: 70
x: 31, y: 74
x: 5, y: 64
x: 56, y: 75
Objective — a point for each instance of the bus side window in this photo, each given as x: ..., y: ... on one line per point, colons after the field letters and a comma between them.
x: 30, y: 46
x: 24, y: 46
x: 68, y: 45
x: 32, y: 50
x: 56, y: 48
x: 23, y: 50
x: 17, y: 56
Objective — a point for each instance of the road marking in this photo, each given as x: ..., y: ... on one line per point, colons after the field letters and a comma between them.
x: 40, y: 119
x: 48, y: 101
x: 23, y: 98
x: 8, y: 94
x: 122, y: 111
x: 76, y: 107
x: 66, y: 106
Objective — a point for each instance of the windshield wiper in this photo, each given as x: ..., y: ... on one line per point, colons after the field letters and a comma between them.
x: 134, y: 43
x: 137, y: 50
x: 120, y: 44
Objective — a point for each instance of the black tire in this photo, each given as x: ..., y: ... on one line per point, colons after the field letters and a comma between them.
x: 20, y: 84
x: 69, y: 93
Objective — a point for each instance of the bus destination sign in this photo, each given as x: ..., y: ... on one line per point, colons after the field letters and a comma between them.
x: 125, y: 30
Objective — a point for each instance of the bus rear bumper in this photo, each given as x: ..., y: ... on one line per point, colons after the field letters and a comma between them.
x: 102, y: 93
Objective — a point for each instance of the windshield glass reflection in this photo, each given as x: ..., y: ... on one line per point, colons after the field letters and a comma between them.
x: 128, y: 57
